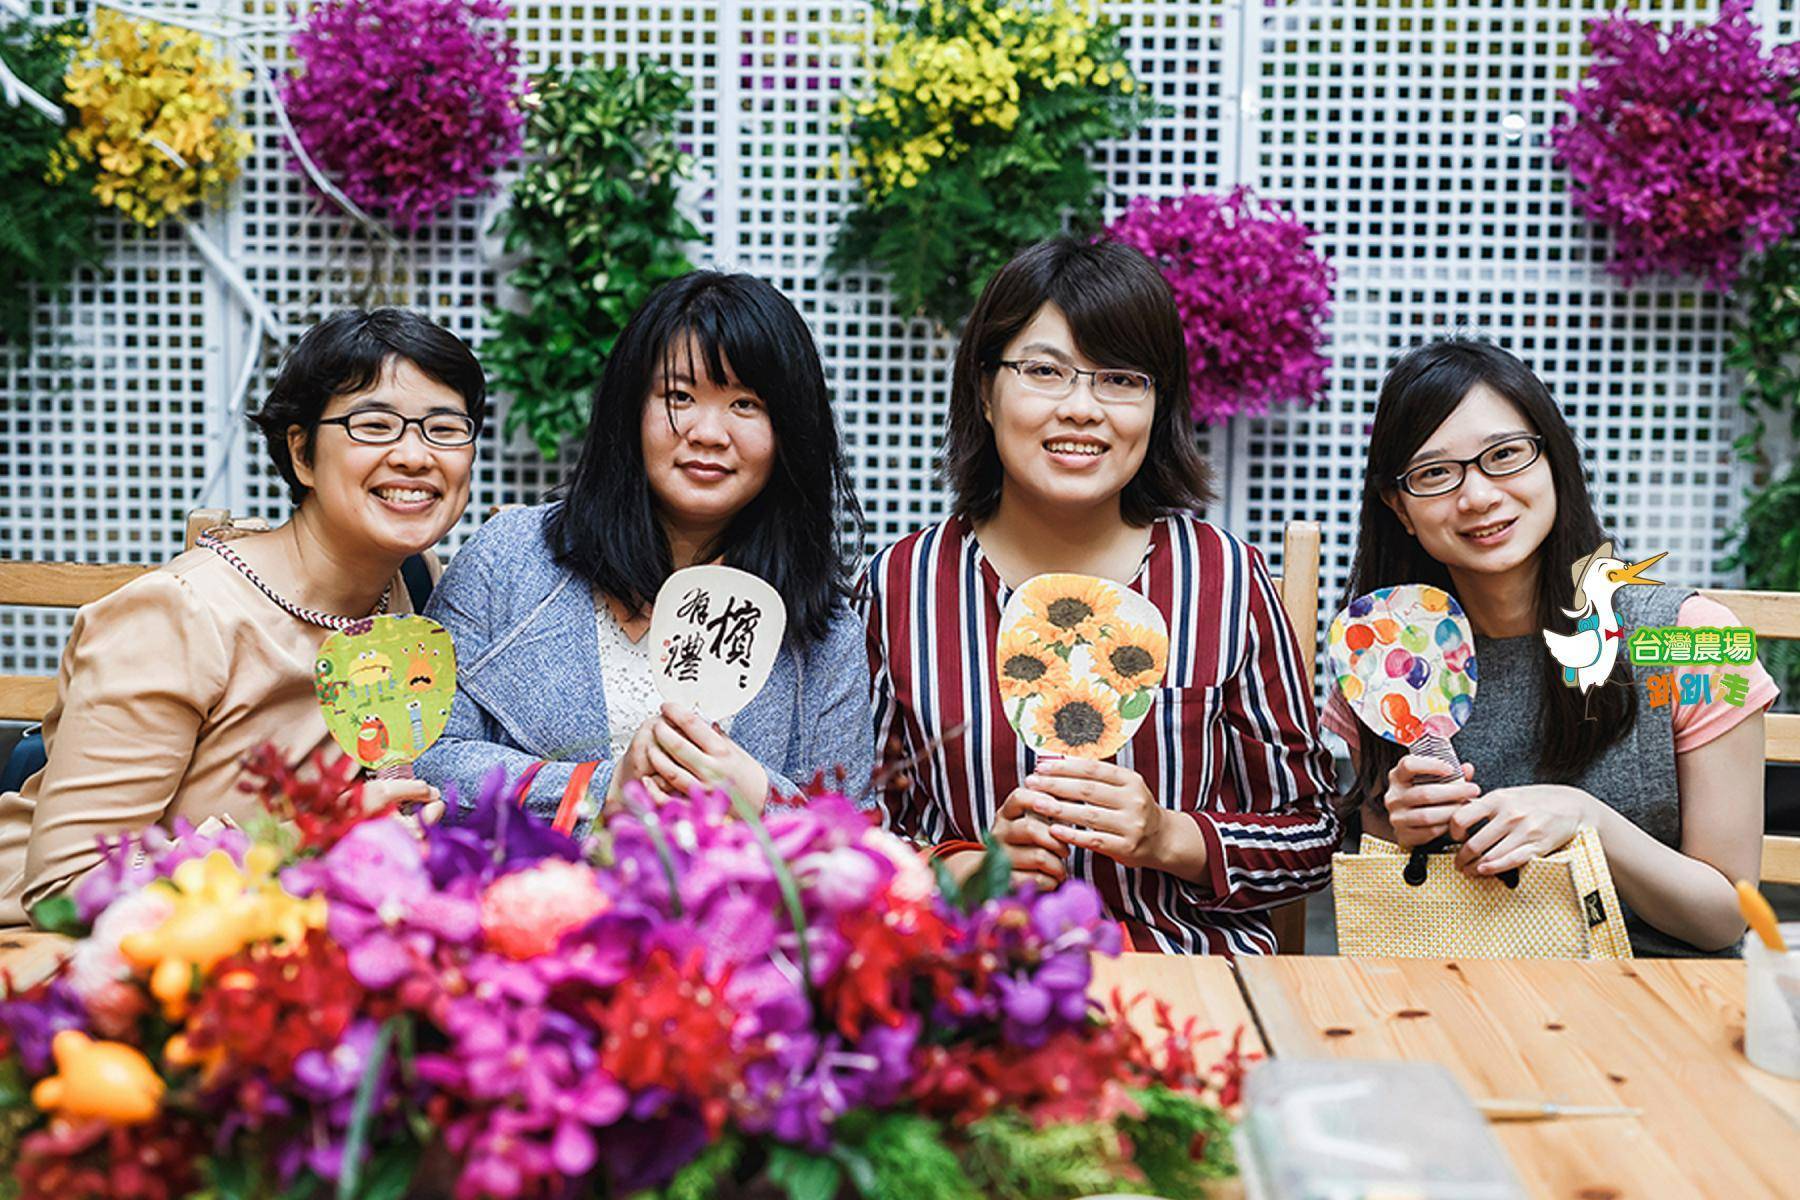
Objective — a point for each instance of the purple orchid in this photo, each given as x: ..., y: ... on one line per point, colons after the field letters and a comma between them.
x: 531, y: 1078
x: 34, y: 1022
x: 407, y: 105
x: 384, y: 911
x: 802, y: 1093
x: 329, y: 1081
x: 1074, y: 919
x: 1684, y: 144
x: 490, y: 837
x: 132, y: 860
x: 1253, y: 292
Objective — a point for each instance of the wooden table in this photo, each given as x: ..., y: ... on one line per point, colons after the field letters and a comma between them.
x: 1662, y: 1036
x: 1203, y: 988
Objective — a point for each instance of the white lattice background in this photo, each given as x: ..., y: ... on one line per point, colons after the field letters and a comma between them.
x: 1412, y: 135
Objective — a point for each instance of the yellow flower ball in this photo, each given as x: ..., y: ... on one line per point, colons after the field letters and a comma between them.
x: 144, y: 91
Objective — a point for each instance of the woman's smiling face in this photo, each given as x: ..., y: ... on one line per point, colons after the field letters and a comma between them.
x: 709, y: 448
x: 1489, y: 525
x: 401, y: 498
x: 1070, y: 451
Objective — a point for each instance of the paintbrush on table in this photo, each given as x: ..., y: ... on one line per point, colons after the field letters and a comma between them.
x: 1543, y: 1110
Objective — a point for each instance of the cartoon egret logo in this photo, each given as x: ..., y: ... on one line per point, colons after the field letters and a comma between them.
x: 1587, y: 655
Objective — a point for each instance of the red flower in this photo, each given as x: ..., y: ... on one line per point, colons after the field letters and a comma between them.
x: 324, y: 804
x: 1174, y: 1060
x: 1078, y: 1075
x: 892, y: 945
x: 668, y: 1026
x: 265, y: 1008
x: 96, y: 1161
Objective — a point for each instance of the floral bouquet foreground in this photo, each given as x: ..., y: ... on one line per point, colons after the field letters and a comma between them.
x: 694, y: 1003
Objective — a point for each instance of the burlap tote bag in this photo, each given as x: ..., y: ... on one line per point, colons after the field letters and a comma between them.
x: 1563, y: 907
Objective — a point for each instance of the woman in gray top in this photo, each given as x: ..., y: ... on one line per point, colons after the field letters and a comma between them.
x: 711, y: 440
x: 1475, y: 485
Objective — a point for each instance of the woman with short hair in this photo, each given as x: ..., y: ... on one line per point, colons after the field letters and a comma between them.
x: 169, y: 681
x: 1070, y: 449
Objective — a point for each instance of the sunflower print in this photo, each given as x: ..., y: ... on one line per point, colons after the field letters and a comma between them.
x: 1078, y: 720
x: 1027, y: 667
x: 1131, y: 657
x: 1068, y: 609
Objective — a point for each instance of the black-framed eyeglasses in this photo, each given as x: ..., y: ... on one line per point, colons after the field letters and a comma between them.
x: 1111, y: 385
x: 1442, y: 476
x: 376, y: 427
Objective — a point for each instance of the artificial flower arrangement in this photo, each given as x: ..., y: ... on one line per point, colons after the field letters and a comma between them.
x: 407, y: 105
x: 971, y: 139
x: 695, y: 1002
x: 155, y: 114
x: 1253, y: 291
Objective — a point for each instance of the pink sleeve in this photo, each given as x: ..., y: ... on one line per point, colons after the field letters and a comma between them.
x: 1697, y: 724
x: 1338, y: 718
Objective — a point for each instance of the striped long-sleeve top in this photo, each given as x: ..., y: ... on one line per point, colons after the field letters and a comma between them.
x: 1232, y: 740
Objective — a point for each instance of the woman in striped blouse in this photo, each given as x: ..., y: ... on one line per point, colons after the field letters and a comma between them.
x: 1069, y: 449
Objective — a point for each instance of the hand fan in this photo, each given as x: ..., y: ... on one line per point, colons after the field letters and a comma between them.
x: 714, y: 635
x: 385, y: 687
x: 1404, y: 659
x: 1078, y: 662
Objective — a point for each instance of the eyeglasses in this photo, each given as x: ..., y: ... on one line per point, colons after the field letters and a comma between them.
x: 1110, y: 385
x: 1442, y: 476
x: 378, y: 428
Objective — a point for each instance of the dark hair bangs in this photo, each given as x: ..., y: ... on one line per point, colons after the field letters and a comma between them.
x: 347, y: 353
x: 1121, y: 314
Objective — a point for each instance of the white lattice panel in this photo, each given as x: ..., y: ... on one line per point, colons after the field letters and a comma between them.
x: 1412, y: 135
x: 1415, y: 139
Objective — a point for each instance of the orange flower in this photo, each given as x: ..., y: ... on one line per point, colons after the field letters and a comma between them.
x: 1079, y: 721
x: 1131, y: 657
x: 1027, y: 667
x: 1067, y: 609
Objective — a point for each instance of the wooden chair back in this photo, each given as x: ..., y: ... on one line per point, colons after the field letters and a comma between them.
x: 1774, y: 616
x: 1298, y: 584
x: 71, y: 585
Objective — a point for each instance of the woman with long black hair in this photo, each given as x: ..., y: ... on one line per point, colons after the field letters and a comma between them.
x: 711, y: 440
x: 1475, y: 484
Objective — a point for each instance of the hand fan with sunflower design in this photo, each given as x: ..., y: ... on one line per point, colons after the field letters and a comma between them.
x: 1078, y: 663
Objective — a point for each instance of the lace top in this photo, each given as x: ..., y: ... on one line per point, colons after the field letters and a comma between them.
x: 628, y: 675
x: 625, y: 672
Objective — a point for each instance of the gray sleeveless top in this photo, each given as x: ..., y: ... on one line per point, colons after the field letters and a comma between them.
x: 1635, y: 776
